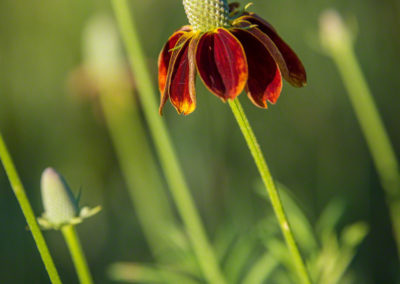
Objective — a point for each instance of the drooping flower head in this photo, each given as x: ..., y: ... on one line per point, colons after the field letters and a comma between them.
x: 231, y: 50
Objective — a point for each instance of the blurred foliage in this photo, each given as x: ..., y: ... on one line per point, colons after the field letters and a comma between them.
x: 310, y: 137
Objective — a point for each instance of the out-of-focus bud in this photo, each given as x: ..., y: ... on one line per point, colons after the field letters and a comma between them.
x: 334, y: 34
x: 60, y: 206
x: 102, y: 53
x: 103, y: 64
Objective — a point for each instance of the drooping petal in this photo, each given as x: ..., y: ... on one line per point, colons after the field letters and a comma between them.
x: 166, y: 62
x: 221, y: 63
x: 182, y: 88
x: 297, y: 74
x: 267, y: 42
x: 265, y: 81
x: 164, y: 59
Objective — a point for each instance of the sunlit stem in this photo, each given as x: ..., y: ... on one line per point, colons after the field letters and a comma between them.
x: 338, y: 43
x: 263, y: 169
x: 26, y: 207
x: 172, y: 170
x: 77, y: 254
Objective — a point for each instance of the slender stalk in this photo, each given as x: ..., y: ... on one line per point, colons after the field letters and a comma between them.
x: 382, y: 152
x: 169, y: 163
x: 143, y: 178
x: 263, y: 169
x: 77, y: 254
x: 374, y: 131
x: 26, y: 207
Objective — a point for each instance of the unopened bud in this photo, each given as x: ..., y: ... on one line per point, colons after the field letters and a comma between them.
x: 333, y: 32
x: 102, y: 51
x: 60, y: 206
x: 59, y: 203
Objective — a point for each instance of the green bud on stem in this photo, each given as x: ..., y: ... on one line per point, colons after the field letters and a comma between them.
x: 60, y: 206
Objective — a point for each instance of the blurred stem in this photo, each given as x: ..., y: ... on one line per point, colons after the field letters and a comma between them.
x: 169, y: 163
x: 139, y: 169
x: 372, y: 126
x: 263, y: 169
x: 26, y: 207
x: 77, y: 254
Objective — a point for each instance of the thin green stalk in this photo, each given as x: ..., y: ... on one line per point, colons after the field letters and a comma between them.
x: 263, y: 169
x: 26, y: 207
x: 139, y: 169
x: 77, y: 254
x: 340, y: 48
x: 169, y: 163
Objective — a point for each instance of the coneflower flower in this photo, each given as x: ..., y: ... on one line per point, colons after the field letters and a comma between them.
x: 231, y: 50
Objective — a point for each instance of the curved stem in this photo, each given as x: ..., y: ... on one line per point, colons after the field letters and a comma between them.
x: 26, y: 207
x: 78, y: 257
x: 263, y: 169
x: 166, y: 152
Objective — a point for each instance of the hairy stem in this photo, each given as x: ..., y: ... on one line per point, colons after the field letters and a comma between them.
x: 263, y: 169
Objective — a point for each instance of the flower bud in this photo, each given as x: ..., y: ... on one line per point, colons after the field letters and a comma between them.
x: 59, y: 203
x: 333, y: 32
x: 102, y: 52
x: 60, y: 206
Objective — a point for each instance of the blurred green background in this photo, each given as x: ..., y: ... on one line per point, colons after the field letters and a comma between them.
x: 311, y: 138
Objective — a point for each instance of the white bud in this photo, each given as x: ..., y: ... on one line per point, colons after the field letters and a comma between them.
x: 102, y: 51
x: 333, y: 32
x: 60, y: 206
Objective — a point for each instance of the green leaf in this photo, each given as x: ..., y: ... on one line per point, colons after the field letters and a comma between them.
x: 143, y: 273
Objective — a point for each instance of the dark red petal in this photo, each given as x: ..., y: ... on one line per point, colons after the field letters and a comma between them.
x: 221, y: 63
x: 267, y: 42
x: 265, y: 81
x: 164, y: 59
x: 182, y: 87
x: 297, y: 74
x: 169, y: 60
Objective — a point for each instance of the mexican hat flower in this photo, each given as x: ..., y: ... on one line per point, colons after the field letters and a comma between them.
x: 231, y: 50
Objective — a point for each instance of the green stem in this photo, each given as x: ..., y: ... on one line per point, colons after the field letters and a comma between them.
x: 169, y: 163
x: 372, y: 126
x: 262, y: 166
x: 78, y: 257
x: 26, y: 207
x: 143, y: 179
